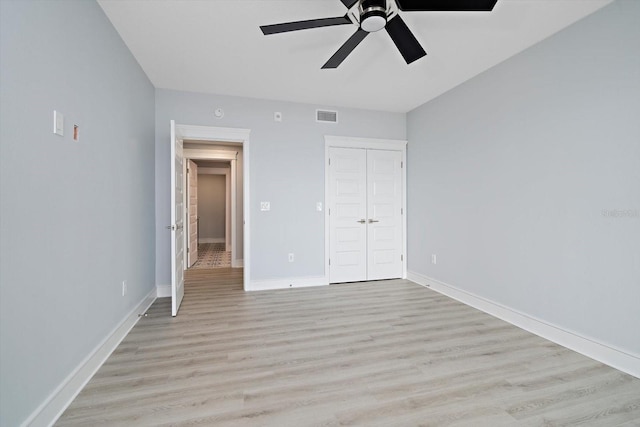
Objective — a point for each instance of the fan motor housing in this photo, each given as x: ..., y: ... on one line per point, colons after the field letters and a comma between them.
x: 374, y: 15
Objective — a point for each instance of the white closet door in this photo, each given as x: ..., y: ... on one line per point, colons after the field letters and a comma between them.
x: 348, y: 214
x: 384, y: 214
x: 365, y: 217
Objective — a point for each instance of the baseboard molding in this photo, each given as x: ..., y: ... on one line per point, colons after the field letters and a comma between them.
x: 163, y: 291
x: 286, y: 283
x: 51, y: 409
x: 237, y: 263
x: 614, y: 357
x: 211, y: 240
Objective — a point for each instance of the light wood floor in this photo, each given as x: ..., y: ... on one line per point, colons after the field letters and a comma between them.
x: 387, y: 353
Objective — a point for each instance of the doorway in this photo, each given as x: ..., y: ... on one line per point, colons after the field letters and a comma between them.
x: 205, y: 137
x: 365, y: 222
x: 209, y: 222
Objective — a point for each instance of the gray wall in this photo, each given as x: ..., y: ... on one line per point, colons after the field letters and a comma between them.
x: 287, y: 169
x: 512, y: 177
x: 76, y: 218
x: 211, y: 205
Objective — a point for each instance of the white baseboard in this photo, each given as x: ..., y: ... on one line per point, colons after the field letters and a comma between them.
x: 614, y: 357
x: 163, y: 291
x: 211, y: 240
x: 51, y: 409
x: 237, y: 263
x: 289, y: 282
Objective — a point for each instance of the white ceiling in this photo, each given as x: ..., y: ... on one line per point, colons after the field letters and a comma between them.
x: 216, y: 46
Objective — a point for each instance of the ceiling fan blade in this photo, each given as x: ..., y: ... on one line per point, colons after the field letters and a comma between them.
x: 349, y: 3
x: 446, y: 5
x: 304, y: 25
x: 404, y: 39
x: 346, y: 49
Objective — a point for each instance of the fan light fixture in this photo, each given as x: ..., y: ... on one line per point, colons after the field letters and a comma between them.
x: 374, y: 15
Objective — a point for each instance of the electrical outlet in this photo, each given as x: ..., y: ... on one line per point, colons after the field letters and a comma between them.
x: 434, y: 259
x: 291, y: 258
x: 124, y: 287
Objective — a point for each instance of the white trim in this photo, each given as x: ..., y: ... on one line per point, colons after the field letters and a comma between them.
x: 614, y: 357
x: 52, y: 408
x: 207, y: 153
x: 227, y: 201
x: 227, y: 210
x: 210, y: 134
x: 212, y: 240
x: 370, y: 144
x: 215, y: 135
x: 213, y: 171
x: 288, y: 282
x: 163, y: 291
x: 234, y: 212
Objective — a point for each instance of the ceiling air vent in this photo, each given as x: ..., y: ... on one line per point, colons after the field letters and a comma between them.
x: 326, y: 116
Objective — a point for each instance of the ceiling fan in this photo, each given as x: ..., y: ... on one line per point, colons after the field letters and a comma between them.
x: 374, y: 15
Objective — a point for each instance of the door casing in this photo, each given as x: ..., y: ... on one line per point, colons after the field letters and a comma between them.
x: 208, y: 135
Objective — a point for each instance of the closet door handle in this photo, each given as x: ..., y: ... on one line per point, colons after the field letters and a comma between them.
x: 362, y: 221
x: 371, y: 221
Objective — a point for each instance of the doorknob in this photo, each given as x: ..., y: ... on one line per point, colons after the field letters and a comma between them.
x: 372, y: 220
x: 362, y: 221
x: 170, y: 227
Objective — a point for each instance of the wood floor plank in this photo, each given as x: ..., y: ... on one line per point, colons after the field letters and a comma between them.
x: 388, y: 353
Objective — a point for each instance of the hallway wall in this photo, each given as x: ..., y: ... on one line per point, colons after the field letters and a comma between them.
x: 211, y: 207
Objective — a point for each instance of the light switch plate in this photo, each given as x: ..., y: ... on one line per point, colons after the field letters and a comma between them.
x: 58, y: 123
x: 265, y: 206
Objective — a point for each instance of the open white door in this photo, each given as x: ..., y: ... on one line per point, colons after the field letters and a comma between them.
x: 192, y: 191
x: 177, y: 221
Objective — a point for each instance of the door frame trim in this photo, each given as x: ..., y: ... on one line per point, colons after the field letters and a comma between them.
x: 187, y: 212
x: 370, y: 144
x: 215, y: 135
x: 227, y: 199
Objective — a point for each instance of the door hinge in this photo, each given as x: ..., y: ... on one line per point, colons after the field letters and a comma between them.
x: 401, y: 211
x: 401, y: 257
x: 187, y: 250
x: 401, y: 165
x: 329, y: 211
x: 329, y: 161
x: 329, y: 261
